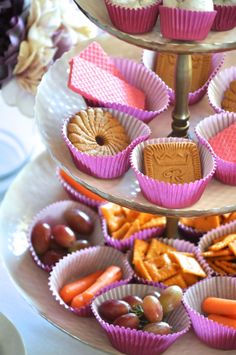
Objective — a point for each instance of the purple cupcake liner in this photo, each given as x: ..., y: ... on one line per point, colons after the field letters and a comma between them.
x: 180, y: 245
x: 218, y: 85
x: 85, y: 262
x: 112, y: 166
x: 208, y: 238
x: 131, y: 341
x: 172, y: 195
x: 185, y: 25
x: 211, y: 333
x: 53, y: 214
x: 149, y: 60
x: 123, y: 245
x: 76, y: 195
x: 209, y: 127
x: 134, y: 21
x: 190, y: 234
x: 225, y: 18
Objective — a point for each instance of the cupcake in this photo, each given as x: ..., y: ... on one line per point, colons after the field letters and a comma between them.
x: 208, y: 296
x: 226, y: 15
x: 100, y: 140
x: 140, y: 342
x: 186, y: 20
x: 162, y: 174
x: 133, y: 16
x: 218, y: 132
x: 88, y: 264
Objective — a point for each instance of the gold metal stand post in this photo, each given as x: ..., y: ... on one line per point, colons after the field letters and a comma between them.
x: 183, y: 77
x: 171, y: 231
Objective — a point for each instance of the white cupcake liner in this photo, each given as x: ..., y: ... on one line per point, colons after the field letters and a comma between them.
x: 112, y: 166
x: 149, y: 59
x: 218, y: 85
x: 212, y: 333
x: 85, y: 262
x: 76, y: 195
x: 172, y: 195
x: 53, y: 214
x: 132, y: 341
x: 208, y: 238
x: 180, y: 245
x: 209, y: 127
x: 128, y: 243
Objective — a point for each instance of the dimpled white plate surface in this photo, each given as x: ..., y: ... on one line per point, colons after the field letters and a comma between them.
x: 36, y: 187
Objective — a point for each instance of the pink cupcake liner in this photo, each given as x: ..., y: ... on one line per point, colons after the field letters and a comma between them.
x: 180, y: 245
x: 156, y: 91
x: 53, y: 214
x: 149, y: 60
x: 109, y: 167
x: 209, y: 127
x: 190, y: 234
x: 75, y: 195
x: 210, y: 332
x: 131, y: 20
x: 172, y: 195
x: 185, y: 25
x: 218, y: 85
x: 225, y: 18
x: 208, y: 238
x: 131, y: 341
x: 85, y: 262
x: 123, y: 245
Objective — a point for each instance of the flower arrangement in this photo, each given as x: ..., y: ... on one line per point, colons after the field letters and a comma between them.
x: 32, y: 42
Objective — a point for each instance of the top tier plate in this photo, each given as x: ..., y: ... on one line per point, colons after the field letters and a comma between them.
x: 215, y: 42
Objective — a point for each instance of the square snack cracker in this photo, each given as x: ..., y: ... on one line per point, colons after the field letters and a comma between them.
x: 140, y: 249
x: 187, y: 264
x: 224, y: 243
x: 141, y: 270
x: 157, y: 248
x: 178, y: 280
x: 172, y: 162
x: 232, y: 247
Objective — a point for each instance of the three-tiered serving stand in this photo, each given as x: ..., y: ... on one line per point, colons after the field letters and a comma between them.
x: 37, y: 185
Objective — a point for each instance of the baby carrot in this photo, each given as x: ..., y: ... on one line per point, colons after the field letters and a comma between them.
x: 111, y: 274
x: 219, y: 306
x: 69, y: 291
x: 230, y: 322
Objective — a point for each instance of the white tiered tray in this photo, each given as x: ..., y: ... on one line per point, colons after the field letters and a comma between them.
x: 55, y: 102
x: 35, y: 187
x: 215, y: 42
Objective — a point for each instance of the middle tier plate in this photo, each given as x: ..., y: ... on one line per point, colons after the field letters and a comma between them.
x: 57, y: 102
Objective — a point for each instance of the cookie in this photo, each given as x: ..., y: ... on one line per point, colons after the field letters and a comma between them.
x: 229, y: 98
x: 172, y: 162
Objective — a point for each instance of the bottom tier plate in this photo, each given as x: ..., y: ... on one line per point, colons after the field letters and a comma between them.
x: 35, y: 187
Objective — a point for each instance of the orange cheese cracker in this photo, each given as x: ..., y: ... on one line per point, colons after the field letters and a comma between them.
x: 167, y: 271
x: 232, y: 247
x: 224, y: 243
x: 157, y: 248
x: 160, y: 260
x: 141, y: 270
x: 177, y: 279
x: 212, y: 253
x: 190, y: 279
x: 120, y: 233
x: 188, y: 264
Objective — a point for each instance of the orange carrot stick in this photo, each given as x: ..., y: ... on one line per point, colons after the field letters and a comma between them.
x: 69, y: 291
x: 111, y: 274
x: 220, y: 306
x: 230, y: 322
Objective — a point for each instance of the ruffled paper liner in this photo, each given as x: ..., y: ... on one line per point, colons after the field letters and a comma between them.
x: 218, y: 85
x: 209, y: 127
x: 208, y: 238
x: 156, y: 91
x: 225, y: 18
x: 149, y: 59
x: 109, y: 166
x: 76, y: 195
x: 134, y: 21
x: 53, y: 214
x: 128, y: 243
x: 210, y: 332
x: 132, y: 341
x: 185, y: 25
x: 85, y: 262
x: 190, y: 234
x: 172, y: 195
x: 180, y: 245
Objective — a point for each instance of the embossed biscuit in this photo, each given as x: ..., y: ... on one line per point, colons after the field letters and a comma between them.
x: 172, y: 162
